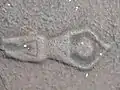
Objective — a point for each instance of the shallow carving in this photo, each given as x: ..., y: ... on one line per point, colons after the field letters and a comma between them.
x: 81, y: 49
x: 31, y: 48
x: 24, y: 48
x: 86, y: 48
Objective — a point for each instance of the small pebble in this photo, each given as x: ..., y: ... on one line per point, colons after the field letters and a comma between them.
x: 8, y: 4
x: 86, y: 75
x: 76, y: 8
x: 82, y: 43
x: 28, y: 48
x: 101, y: 54
x: 25, y: 46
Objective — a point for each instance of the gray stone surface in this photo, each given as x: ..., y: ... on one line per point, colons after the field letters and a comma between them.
x: 52, y: 18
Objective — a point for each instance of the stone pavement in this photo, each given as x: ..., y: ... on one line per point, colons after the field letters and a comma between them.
x: 21, y: 21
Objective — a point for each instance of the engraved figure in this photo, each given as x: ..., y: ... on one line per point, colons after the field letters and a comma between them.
x: 81, y: 49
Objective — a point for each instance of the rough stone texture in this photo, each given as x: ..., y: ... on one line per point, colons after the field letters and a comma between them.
x: 52, y: 18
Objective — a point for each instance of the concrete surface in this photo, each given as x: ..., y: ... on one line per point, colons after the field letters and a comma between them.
x: 52, y: 18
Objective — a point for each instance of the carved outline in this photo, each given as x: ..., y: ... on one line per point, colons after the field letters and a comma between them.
x: 106, y: 47
x: 36, y: 42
